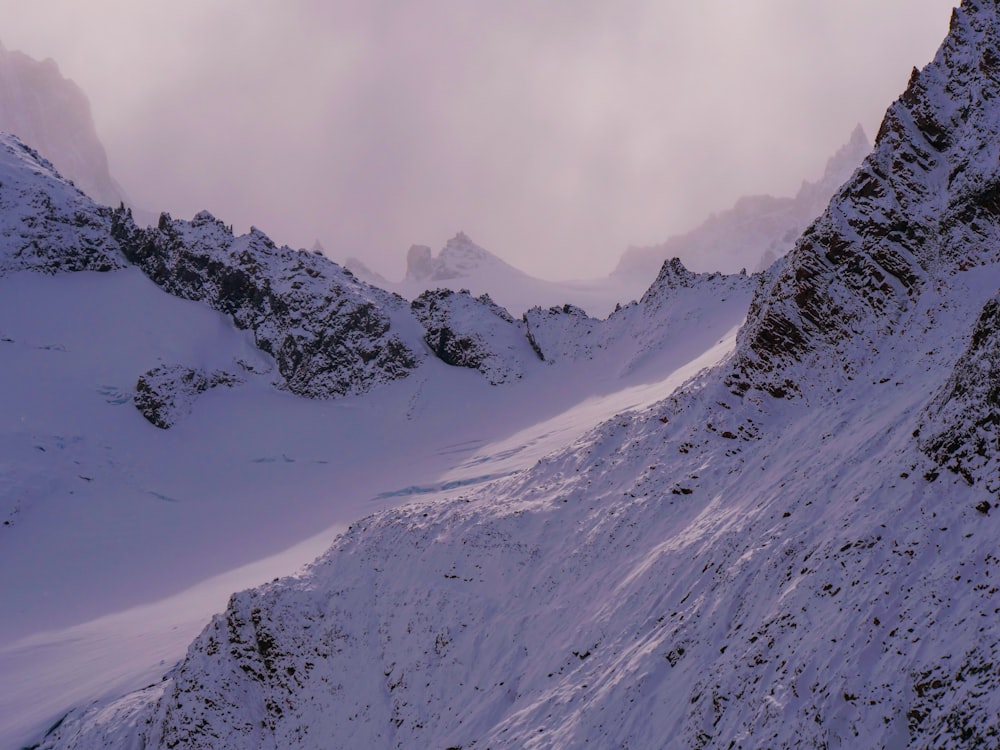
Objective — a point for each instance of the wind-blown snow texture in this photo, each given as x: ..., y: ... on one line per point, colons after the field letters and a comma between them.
x: 770, y: 558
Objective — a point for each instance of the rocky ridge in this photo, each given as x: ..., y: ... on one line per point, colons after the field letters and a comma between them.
x: 920, y: 209
x: 330, y: 334
x: 46, y: 223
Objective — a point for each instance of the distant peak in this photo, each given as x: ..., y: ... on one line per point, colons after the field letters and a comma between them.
x: 848, y: 156
x: 463, y: 242
x: 858, y: 136
x: 363, y: 272
x: 459, y: 258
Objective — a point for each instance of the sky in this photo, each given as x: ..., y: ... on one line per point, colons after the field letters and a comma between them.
x: 555, y: 133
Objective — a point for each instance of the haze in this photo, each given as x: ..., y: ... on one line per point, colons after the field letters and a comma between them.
x: 554, y: 133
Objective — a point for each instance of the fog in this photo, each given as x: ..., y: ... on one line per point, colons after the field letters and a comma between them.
x: 554, y: 132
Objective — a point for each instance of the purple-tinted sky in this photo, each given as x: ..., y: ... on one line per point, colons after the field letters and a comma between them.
x: 553, y: 132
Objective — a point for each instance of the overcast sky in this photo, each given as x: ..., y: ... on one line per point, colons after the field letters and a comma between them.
x: 553, y: 132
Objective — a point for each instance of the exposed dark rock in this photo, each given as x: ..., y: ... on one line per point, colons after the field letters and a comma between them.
x: 330, y: 334
x: 960, y: 428
x: 467, y: 331
x: 856, y: 273
x: 562, y: 332
x: 166, y: 394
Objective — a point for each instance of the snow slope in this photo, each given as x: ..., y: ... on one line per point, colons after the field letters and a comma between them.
x: 763, y: 559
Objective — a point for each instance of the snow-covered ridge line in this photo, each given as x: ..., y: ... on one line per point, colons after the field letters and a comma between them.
x: 330, y: 333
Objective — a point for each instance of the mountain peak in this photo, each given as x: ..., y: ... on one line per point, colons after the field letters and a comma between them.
x: 52, y: 114
x: 757, y: 229
x: 458, y: 259
x: 840, y: 166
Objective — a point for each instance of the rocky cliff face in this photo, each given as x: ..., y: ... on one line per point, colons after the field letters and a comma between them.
x: 960, y: 430
x: 757, y: 230
x: 51, y: 114
x: 329, y: 334
x: 921, y: 208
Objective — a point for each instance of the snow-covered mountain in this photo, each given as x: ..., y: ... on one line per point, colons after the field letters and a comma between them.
x: 462, y: 264
x: 52, y: 114
x: 757, y: 230
x: 155, y: 439
x: 794, y: 549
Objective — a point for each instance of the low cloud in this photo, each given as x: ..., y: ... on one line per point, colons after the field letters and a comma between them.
x: 555, y: 134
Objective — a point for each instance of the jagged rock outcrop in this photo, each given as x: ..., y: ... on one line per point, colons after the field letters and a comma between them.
x: 467, y: 331
x: 960, y: 429
x: 47, y: 224
x: 757, y: 230
x: 922, y: 206
x: 52, y: 115
x: 329, y: 334
x: 166, y: 394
